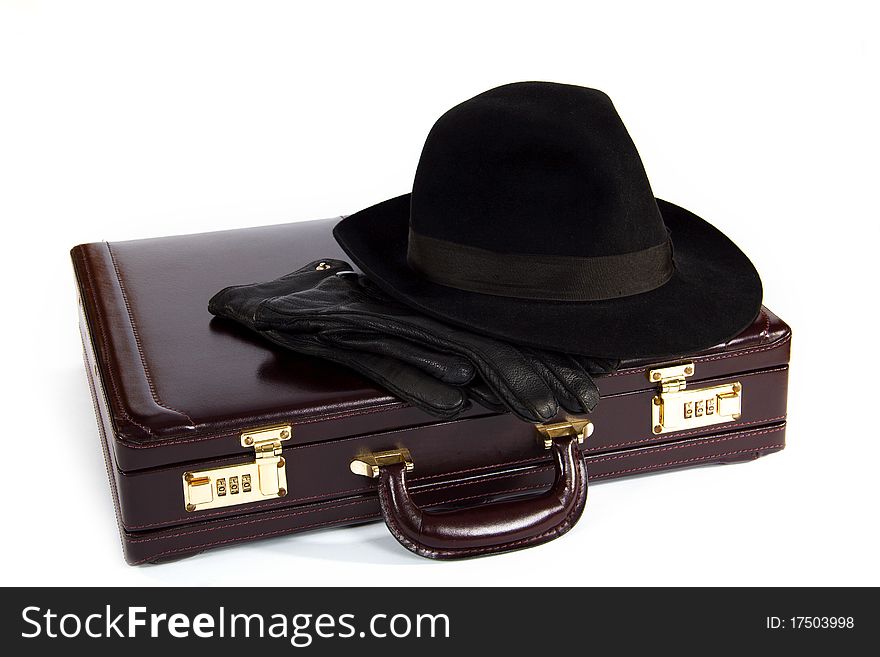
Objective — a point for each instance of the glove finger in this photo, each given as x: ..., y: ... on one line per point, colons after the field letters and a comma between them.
x: 404, y: 381
x: 509, y: 375
x: 526, y: 395
x: 446, y: 367
x: 572, y: 385
x: 483, y: 395
x: 561, y: 392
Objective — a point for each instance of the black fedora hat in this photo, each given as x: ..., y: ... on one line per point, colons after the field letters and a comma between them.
x: 531, y: 219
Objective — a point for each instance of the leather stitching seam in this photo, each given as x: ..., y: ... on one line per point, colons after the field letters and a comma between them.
x: 243, y: 523
x: 250, y: 538
x: 137, y: 339
x: 705, y: 359
x: 105, y: 449
x: 120, y: 406
x: 690, y: 460
x: 669, y: 448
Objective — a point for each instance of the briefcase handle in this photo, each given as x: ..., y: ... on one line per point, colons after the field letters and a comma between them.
x: 486, y: 529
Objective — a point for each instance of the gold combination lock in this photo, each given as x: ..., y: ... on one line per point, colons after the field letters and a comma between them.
x: 263, y: 478
x: 676, y: 407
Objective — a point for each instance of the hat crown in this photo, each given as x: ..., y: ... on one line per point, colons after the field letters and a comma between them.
x: 535, y: 168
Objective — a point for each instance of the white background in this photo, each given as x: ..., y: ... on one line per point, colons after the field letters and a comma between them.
x: 123, y: 120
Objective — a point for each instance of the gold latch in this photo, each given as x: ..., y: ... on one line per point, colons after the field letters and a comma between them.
x: 367, y: 465
x: 581, y: 428
x: 675, y: 407
x: 265, y: 477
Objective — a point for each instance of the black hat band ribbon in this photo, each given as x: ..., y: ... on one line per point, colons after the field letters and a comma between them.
x: 545, y: 277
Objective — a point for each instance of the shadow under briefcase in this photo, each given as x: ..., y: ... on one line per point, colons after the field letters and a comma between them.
x: 213, y: 436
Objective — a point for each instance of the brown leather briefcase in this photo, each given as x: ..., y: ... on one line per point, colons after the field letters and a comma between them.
x: 212, y: 436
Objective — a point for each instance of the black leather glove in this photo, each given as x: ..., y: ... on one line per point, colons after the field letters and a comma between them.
x: 426, y: 390
x: 327, y: 310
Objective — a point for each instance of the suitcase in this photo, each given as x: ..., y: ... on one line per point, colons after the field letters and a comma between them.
x: 213, y: 436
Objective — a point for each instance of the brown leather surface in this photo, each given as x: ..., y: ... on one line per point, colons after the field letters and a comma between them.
x: 487, y: 528
x: 173, y: 388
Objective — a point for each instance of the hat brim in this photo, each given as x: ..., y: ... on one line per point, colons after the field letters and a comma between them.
x: 713, y: 295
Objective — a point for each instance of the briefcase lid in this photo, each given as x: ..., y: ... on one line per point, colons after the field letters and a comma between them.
x: 183, y: 385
